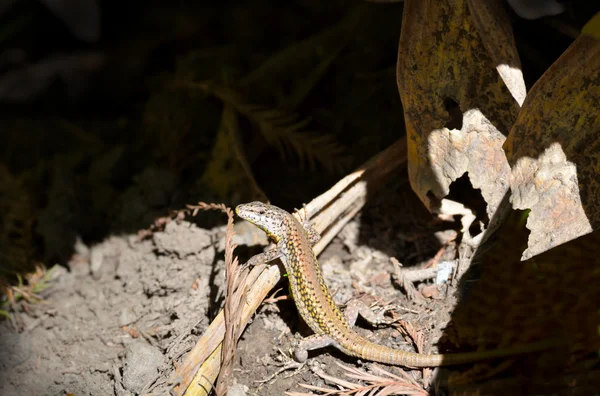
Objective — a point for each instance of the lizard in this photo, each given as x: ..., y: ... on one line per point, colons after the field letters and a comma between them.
x: 294, y: 241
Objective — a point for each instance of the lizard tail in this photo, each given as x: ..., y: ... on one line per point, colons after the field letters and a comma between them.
x: 362, y: 348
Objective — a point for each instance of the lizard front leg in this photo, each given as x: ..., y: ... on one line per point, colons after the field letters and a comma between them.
x: 263, y: 258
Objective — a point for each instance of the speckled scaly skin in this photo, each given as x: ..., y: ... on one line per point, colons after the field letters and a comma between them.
x: 317, y: 308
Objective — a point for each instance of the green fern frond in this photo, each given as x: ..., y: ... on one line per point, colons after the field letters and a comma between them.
x: 284, y: 130
x: 287, y: 133
x: 227, y: 173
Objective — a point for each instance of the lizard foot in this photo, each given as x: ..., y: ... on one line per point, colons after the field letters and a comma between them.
x: 262, y: 258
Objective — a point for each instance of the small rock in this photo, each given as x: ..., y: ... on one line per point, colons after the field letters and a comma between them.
x: 142, y: 362
x: 182, y: 239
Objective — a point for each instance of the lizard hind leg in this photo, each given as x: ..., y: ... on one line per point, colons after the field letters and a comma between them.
x: 262, y: 258
x: 315, y: 341
x: 357, y: 307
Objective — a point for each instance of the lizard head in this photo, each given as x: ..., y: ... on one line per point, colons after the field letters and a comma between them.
x: 268, y: 218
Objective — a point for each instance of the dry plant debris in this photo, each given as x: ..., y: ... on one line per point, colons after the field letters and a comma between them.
x: 378, y: 383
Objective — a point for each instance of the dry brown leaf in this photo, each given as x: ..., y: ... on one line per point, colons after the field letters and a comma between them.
x: 450, y: 53
x: 554, y: 150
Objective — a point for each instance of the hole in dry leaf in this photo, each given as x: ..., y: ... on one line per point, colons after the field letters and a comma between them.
x: 461, y: 190
x: 455, y: 114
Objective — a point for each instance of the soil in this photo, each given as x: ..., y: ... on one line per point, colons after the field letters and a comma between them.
x: 125, y: 311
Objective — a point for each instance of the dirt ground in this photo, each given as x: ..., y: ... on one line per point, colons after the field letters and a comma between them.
x: 125, y: 311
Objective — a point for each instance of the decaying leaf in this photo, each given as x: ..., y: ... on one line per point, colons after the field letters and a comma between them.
x: 554, y: 150
x: 496, y: 36
x: 592, y: 27
x: 449, y: 56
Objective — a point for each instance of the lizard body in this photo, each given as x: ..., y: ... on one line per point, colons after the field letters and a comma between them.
x: 317, y: 307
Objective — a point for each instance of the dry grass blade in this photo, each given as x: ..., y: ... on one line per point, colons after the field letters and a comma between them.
x: 403, y: 373
x: 15, y: 296
x: 235, y: 295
